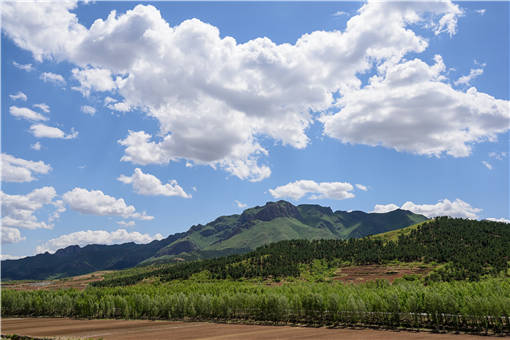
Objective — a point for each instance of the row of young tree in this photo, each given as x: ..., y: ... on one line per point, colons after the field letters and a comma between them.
x: 462, y: 305
x: 472, y: 249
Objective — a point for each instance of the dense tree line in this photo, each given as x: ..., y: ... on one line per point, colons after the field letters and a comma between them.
x: 471, y: 249
x: 460, y: 305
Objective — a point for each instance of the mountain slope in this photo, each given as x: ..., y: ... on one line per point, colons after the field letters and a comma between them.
x: 443, y: 240
x: 234, y: 234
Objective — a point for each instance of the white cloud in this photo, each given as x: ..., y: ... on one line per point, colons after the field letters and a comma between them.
x: 121, y: 107
x: 481, y: 11
x: 409, y: 108
x: 362, y: 187
x: 19, y: 210
x: 93, y: 79
x: 95, y: 202
x: 457, y: 208
x: 487, y: 165
x: 26, y: 113
x: 24, y: 67
x: 42, y: 106
x: 240, y: 204
x: 109, y: 100
x: 54, y: 78
x: 298, y: 189
x: 147, y: 184
x: 88, y: 110
x: 4, y: 257
x: 498, y: 155
x: 11, y: 235
x: 45, y: 131
x: 466, y: 80
x: 189, y: 77
x: 126, y: 223
x: 340, y: 13
x: 503, y: 220
x: 85, y: 237
x: 20, y: 95
x: 36, y: 146
x: 20, y: 170
x: 384, y: 208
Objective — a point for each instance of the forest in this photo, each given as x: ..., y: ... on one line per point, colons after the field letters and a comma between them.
x: 482, y: 306
x: 469, y: 250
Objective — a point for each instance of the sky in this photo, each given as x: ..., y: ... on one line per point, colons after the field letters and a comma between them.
x: 130, y: 122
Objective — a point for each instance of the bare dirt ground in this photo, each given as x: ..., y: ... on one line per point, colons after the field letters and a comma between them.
x: 78, y: 282
x: 360, y: 274
x: 176, y: 330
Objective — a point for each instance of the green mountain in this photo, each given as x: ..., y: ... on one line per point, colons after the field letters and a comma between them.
x: 234, y: 234
x: 455, y: 248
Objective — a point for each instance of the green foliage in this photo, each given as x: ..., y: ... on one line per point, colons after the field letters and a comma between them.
x: 468, y: 249
x: 460, y: 305
x: 227, y: 235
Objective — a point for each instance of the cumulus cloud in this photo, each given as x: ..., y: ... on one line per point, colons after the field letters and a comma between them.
x: 93, y: 79
x: 36, y: 146
x: 498, y: 155
x: 384, y: 208
x: 481, y: 11
x: 408, y: 107
x: 487, y: 165
x: 445, y: 207
x: 361, y: 187
x: 95, y: 202
x: 85, y: 237
x: 147, y: 184
x: 87, y: 109
x: 240, y: 204
x: 20, y: 170
x: 190, y: 78
x: 43, y: 107
x: 19, y: 95
x: 24, y: 67
x: 45, y: 131
x: 340, y: 13
x: 466, y: 80
x: 126, y: 223
x: 4, y: 257
x: 503, y: 220
x: 49, y: 77
x: 11, y: 235
x: 26, y: 113
x: 19, y: 210
x: 313, y: 190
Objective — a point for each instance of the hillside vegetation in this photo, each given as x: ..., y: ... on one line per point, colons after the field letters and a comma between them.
x: 468, y: 249
x: 227, y: 235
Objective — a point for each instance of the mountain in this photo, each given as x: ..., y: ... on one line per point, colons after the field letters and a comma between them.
x: 234, y: 234
x: 439, y: 245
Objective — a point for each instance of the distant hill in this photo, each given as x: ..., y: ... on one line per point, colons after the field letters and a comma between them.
x: 458, y: 249
x: 234, y: 234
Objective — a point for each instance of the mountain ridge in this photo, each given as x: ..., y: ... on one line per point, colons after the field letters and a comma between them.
x: 225, y: 235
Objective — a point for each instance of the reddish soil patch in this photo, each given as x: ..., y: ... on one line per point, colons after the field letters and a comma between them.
x: 78, y: 282
x: 175, y: 330
x: 360, y: 274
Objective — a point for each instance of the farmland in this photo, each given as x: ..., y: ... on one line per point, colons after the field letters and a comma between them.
x: 178, y: 330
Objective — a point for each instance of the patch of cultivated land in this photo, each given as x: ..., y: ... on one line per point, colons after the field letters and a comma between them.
x: 136, y: 329
x: 390, y: 272
x: 79, y: 282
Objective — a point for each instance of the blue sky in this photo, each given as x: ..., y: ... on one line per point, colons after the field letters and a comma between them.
x: 153, y: 122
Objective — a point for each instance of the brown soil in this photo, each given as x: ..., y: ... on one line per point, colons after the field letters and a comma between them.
x: 175, y: 330
x: 78, y: 282
x: 360, y: 274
